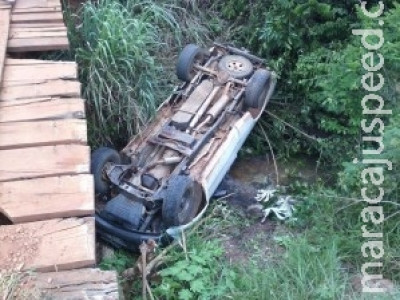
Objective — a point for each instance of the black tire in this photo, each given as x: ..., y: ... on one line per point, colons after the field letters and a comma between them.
x: 182, y: 200
x: 100, y: 157
x: 257, y: 88
x: 186, y: 60
x: 237, y: 66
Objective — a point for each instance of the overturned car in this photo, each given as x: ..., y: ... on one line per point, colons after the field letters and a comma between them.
x: 162, y: 181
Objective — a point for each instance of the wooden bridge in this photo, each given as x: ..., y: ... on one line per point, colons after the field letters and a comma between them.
x: 46, y: 189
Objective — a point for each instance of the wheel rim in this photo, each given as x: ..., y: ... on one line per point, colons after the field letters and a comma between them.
x: 235, y: 66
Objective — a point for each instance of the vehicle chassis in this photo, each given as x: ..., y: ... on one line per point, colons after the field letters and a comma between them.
x: 198, y: 150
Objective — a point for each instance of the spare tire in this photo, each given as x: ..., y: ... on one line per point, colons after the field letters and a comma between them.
x: 182, y: 200
x: 257, y: 88
x: 187, y: 59
x: 235, y: 65
x: 100, y: 157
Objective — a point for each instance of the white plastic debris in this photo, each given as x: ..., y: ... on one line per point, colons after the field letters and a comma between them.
x: 283, y: 208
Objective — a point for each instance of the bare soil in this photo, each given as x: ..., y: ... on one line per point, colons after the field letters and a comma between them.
x: 252, y: 239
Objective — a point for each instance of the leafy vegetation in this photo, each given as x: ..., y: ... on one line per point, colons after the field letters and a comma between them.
x: 194, y: 276
x: 311, y: 46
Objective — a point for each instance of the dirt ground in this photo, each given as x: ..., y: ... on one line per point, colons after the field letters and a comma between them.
x: 253, y: 239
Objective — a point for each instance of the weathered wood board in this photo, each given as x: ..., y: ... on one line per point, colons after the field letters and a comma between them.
x: 43, y: 133
x: 27, y: 61
x: 46, y: 198
x: 42, y: 110
x: 82, y: 284
x: 35, y: 16
x: 21, y: 4
x: 27, y: 16
x: 78, y: 284
x: 4, y: 29
x: 47, y: 161
x: 36, y: 72
x: 50, y: 88
x: 58, y: 244
x: 35, y: 44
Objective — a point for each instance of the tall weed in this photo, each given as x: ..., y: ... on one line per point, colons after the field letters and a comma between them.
x: 121, y: 48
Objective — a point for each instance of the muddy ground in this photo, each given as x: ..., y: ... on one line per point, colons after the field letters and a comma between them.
x: 253, y: 238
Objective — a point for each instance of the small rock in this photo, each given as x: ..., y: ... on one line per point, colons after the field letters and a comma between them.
x: 106, y: 252
x: 255, y: 210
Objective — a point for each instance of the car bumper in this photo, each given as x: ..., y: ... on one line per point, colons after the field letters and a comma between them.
x: 127, y: 239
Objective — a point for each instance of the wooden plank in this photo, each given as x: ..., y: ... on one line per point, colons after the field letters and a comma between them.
x: 47, y: 198
x: 18, y: 30
x: 36, y: 25
x: 20, y: 4
x: 50, y: 17
x: 47, y: 110
x: 43, y: 133
x: 4, y: 28
x: 33, y: 34
x: 52, y: 245
x: 5, y: 4
x: 26, y: 101
x: 51, y: 88
x: 34, y: 44
x: 37, y: 29
x: 36, y: 9
x: 74, y: 284
x: 39, y: 72
x: 23, y: 62
x: 46, y: 161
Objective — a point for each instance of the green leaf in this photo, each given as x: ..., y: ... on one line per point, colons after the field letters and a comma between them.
x: 195, y: 269
x: 197, y: 286
x: 184, y: 276
x: 185, y: 294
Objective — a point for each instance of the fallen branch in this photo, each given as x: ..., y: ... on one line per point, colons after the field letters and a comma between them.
x: 291, y: 126
x: 146, y: 267
x: 143, y: 253
x: 273, y: 155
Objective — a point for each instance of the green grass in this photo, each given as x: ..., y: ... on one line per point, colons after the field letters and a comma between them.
x: 304, y: 272
x: 117, y: 71
x: 125, y: 52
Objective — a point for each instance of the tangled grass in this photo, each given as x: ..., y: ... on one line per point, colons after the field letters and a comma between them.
x: 121, y: 48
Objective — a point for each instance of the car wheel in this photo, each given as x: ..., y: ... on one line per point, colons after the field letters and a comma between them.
x: 182, y: 200
x: 257, y: 88
x: 190, y: 55
x: 235, y: 65
x: 99, y: 159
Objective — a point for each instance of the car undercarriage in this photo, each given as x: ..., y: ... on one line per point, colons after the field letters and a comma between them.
x: 164, y: 178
